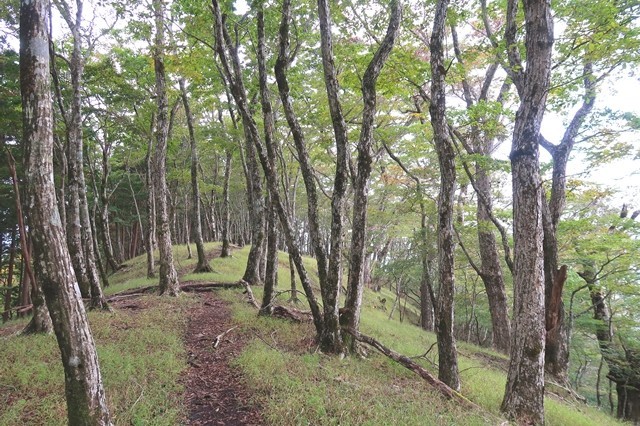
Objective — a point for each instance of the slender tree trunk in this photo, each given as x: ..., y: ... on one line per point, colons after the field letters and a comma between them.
x: 41, y: 321
x: 234, y: 79
x: 226, y: 220
x: 80, y: 221
x: 491, y: 276
x: 151, y: 207
x: 86, y: 402
x: 196, y: 220
x: 524, y: 395
x: 105, y: 228
x: 271, y: 267
x: 353, y: 302
x: 10, y: 268
x: 448, y: 358
x: 168, y: 275
x: 331, y: 339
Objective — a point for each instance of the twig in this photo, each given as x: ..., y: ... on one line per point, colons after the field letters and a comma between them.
x: 219, y: 337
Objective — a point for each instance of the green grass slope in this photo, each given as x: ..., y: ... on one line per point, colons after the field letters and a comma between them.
x: 142, y: 358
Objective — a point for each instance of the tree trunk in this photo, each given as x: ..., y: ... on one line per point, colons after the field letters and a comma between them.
x: 557, y: 346
x: 524, y: 396
x: 86, y: 402
x: 151, y: 207
x: 80, y: 222
x: 226, y: 220
x: 196, y: 220
x: 353, y: 302
x: 168, y: 275
x: 491, y: 270
x: 10, y: 268
x: 448, y: 358
x: 105, y: 229
x: 234, y: 79
x: 623, y: 362
x: 271, y: 270
x: 331, y: 339
x: 41, y: 321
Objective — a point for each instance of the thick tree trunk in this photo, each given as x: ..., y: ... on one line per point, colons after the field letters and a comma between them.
x: 447, y: 355
x: 357, y: 253
x: 86, y: 402
x: 524, y: 396
x: 168, y: 274
x: 196, y: 220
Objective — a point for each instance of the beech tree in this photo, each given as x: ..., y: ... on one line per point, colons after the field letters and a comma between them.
x: 196, y: 220
x: 524, y: 395
x: 79, y: 231
x: 86, y: 402
x: 168, y: 275
x: 447, y: 355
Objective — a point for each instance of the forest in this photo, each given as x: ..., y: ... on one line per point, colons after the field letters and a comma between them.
x: 469, y: 167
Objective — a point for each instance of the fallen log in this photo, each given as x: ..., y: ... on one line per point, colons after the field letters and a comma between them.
x: 415, y: 367
x: 197, y: 286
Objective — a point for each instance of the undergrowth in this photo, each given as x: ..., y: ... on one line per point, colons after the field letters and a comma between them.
x: 142, y: 357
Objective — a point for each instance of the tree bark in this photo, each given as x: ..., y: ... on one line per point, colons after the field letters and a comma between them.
x: 86, y: 402
x: 233, y: 77
x: 447, y: 355
x: 10, y: 268
x: 491, y: 276
x: 41, y: 321
x: 524, y: 395
x: 196, y: 220
x: 226, y: 220
x: 151, y: 206
x: 331, y: 338
x: 557, y: 346
x: 355, y: 285
x: 168, y: 275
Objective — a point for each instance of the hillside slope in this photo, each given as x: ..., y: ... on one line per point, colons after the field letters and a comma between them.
x: 144, y: 362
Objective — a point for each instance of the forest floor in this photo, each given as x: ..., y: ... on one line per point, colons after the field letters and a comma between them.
x: 215, y: 392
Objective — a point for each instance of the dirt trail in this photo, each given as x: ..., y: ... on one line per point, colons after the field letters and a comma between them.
x: 214, y: 391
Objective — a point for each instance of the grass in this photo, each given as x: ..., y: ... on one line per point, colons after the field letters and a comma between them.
x: 142, y: 357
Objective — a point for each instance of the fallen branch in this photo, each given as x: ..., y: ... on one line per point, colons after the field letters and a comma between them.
x: 195, y: 286
x: 249, y: 293
x: 413, y: 366
x: 295, y: 315
x: 219, y: 337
